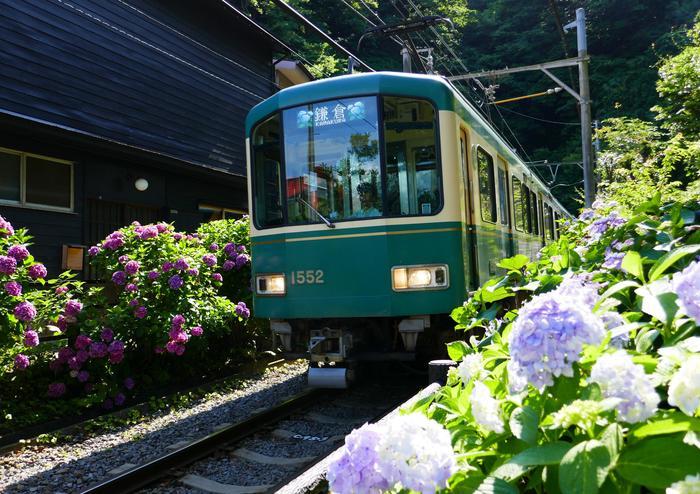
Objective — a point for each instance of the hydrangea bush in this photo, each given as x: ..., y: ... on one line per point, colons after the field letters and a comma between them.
x: 580, y: 374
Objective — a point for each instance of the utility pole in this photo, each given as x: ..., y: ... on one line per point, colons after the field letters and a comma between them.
x: 585, y: 105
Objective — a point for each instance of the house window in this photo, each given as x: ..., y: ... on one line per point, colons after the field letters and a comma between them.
x: 35, y: 181
x: 213, y: 213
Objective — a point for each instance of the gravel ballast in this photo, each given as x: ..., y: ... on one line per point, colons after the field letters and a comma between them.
x: 84, y: 459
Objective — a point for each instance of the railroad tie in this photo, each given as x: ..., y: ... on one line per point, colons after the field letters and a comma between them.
x: 219, y: 488
x: 328, y: 419
x: 249, y: 455
x: 285, y: 434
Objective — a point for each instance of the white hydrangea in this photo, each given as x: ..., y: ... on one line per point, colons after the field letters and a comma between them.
x: 689, y: 485
x: 416, y: 453
x: 673, y: 357
x: 485, y: 408
x: 471, y: 367
x: 619, y: 377
x: 684, y: 389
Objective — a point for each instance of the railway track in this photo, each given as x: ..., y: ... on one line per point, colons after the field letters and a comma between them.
x: 265, y: 451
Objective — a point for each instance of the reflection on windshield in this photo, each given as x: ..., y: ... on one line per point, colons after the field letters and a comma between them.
x: 331, y: 152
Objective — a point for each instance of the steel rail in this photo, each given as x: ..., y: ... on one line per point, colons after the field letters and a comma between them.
x: 157, y: 468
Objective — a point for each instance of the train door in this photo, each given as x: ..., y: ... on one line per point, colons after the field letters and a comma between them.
x: 472, y: 261
x: 504, y: 206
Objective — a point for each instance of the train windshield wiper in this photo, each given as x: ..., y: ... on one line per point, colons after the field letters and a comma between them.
x: 328, y: 222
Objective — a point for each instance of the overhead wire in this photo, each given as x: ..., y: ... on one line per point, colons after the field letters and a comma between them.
x: 539, y: 119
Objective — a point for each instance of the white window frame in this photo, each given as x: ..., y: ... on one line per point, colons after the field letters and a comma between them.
x: 23, y: 182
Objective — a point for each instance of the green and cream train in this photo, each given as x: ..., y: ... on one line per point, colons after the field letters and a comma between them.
x: 377, y: 202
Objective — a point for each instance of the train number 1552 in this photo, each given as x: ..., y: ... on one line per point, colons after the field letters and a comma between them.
x: 308, y: 277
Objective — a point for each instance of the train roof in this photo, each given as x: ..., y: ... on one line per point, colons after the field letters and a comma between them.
x: 435, y: 88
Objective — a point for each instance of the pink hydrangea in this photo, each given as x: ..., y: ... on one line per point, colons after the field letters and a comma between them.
x: 73, y: 307
x: 60, y: 290
x: 196, y: 331
x: 116, y: 357
x: 6, y: 228
x: 140, y: 312
x: 8, y: 265
x: 177, y: 321
x: 37, y: 271
x: 113, y: 241
x: 13, y: 288
x: 123, y: 259
x: 25, y: 311
x: 21, y: 362
x: 132, y: 267
x: 19, y: 252
x: 31, y: 338
x: 178, y: 335
x: 162, y: 227
x: 131, y: 288
x: 56, y: 390
x: 82, y: 342
x: 146, y: 232
x: 217, y: 277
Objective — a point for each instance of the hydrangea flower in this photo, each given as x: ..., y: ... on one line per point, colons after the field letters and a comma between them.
x: 73, y: 307
x: 93, y: 251
x: 579, y: 286
x: 689, y: 485
x: 6, y: 228
x: 684, y: 388
x: 13, y: 288
x: 174, y: 347
x: 242, y: 260
x: 686, y: 284
x: 581, y: 413
x: 134, y: 302
x: 153, y: 274
x: 56, y: 390
x: 60, y: 290
x: 131, y: 288
x: 181, y: 264
x: 140, y: 312
x: 119, y: 278
x: 196, y: 331
x: 25, y: 311
x: 19, y: 252
x: 355, y: 470
x: 229, y: 265
x: 217, y: 277
x: 146, y: 232
x: 167, y: 266
x: 8, y: 265
x: 98, y: 349
x: 209, y: 260
x: 471, y: 367
x: 601, y: 225
x: 123, y: 259
x: 82, y: 356
x: 547, y: 338
x: 82, y: 341
x: 113, y: 241
x: 21, y: 361
x: 613, y: 260
x: 214, y: 247
x: 485, y: 408
x: 132, y: 267
x: 230, y: 248
x: 119, y: 399
x: 107, y: 335
x: 129, y: 383
x: 193, y: 272
x: 31, y: 338
x: 240, y: 249
x: 37, y: 271
x: 83, y: 376
x: 619, y: 377
x: 175, y: 282
x: 177, y: 321
x: 242, y: 310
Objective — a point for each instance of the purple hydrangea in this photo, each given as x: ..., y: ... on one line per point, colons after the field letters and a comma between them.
x: 113, y: 241
x: 613, y: 260
x: 74, y: 364
x: 73, y: 307
x: 6, y: 228
x: 242, y: 310
x: 83, y: 376
x: 98, y: 349
x: 60, y: 290
x: 174, y: 347
x: 240, y: 249
x: 31, y: 338
x: 82, y: 341
x: 123, y: 259
x: 93, y: 251
x: 193, y: 272
x: 175, y: 282
x: 56, y: 390
x: 217, y: 277
x: 229, y: 265
x: 134, y: 302
x: 19, y: 252
x: 140, y: 312
x: 131, y: 288
x: 152, y: 275
x: 181, y: 264
x: 242, y: 260
x: 25, y: 311
x: 209, y: 260
x: 177, y: 321
x: 116, y: 357
x: 178, y: 335
x: 62, y: 322
x: 117, y: 346
x: 64, y: 354
x: 196, y: 331
x: 82, y: 356
x: 167, y: 266
x: 119, y: 399
x: 21, y: 361
x: 129, y: 383
x: 547, y: 338
x: 601, y: 225
x: 178, y: 236
x: 686, y: 284
x: 13, y: 288
x: 355, y: 470
x: 37, y: 271
x: 8, y: 265
x: 162, y: 227
x: 119, y: 278
x: 132, y: 267
x: 214, y: 247
x: 229, y: 249
x: 107, y: 335
x: 146, y: 232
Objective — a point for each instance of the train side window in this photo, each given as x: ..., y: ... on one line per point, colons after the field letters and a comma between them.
x: 535, y: 214
x: 548, y: 220
x: 413, y: 183
x: 517, y: 186
x: 487, y: 189
x: 503, y: 196
x: 268, y: 204
x: 527, y: 210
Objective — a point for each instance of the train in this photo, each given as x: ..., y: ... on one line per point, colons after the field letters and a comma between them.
x: 377, y: 202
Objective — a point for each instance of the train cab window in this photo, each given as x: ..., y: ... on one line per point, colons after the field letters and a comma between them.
x: 331, y: 156
x: 267, y: 174
x: 487, y: 186
x: 535, y: 213
x: 503, y: 196
x: 518, y: 204
x: 413, y: 185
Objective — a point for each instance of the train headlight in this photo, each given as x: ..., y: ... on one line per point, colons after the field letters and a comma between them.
x: 420, y: 277
x: 270, y: 284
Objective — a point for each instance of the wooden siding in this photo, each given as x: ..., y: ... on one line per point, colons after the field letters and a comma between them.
x: 160, y: 75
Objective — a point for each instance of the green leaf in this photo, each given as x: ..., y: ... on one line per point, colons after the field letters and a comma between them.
x: 584, y: 467
x: 658, y: 462
x: 514, y: 263
x: 662, y: 306
x: 668, y: 260
x: 457, y: 350
x: 673, y: 421
x: 632, y: 263
x: 475, y: 483
x: 523, y: 424
x: 520, y: 464
x: 613, y: 439
x: 617, y: 288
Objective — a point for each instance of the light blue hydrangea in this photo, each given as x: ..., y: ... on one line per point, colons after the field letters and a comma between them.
x: 619, y: 377
x: 596, y: 229
x: 686, y: 284
x: 580, y: 287
x: 355, y: 469
x: 548, y: 336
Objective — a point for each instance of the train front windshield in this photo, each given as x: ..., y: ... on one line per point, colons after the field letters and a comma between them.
x: 340, y: 160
